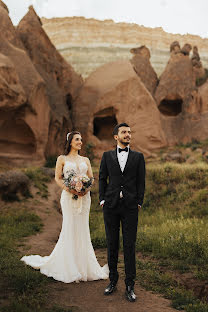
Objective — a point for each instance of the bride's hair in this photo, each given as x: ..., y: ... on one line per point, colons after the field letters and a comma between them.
x: 69, y: 138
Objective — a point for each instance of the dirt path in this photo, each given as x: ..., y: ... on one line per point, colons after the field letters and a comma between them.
x: 84, y: 296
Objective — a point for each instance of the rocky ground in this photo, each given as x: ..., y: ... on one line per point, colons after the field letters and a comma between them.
x: 189, y: 153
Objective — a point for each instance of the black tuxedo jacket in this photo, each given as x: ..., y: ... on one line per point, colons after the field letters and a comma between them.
x: 131, y: 181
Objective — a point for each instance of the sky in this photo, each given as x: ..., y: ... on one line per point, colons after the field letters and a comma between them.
x: 174, y: 16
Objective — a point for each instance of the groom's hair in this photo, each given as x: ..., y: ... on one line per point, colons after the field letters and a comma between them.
x: 115, y: 130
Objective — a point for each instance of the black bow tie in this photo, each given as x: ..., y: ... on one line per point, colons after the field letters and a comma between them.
x: 123, y: 149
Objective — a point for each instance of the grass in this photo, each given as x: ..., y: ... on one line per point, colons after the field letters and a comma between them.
x: 174, y: 221
x: 174, y: 214
x: 150, y: 277
x: 193, y: 144
x: 25, y: 285
x: 23, y: 289
x: 172, y: 236
x: 39, y: 180
x: 172, y: 229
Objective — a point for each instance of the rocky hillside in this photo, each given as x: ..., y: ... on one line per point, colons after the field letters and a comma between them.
x: 37, y: 91
x: 42, y: 97
x: 89, y: 43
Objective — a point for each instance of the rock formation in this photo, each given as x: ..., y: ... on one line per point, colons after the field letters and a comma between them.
x: 203, y: 92
x: 62, y: 83
x: 18, y: 136
x: 112, y: 94
x: 175, y: 47
x: 197, y: 64
x: 175, y: 90
x: 186, y: 49
x: 143, y: 68
x: 12, y: 184
x: 37, y: 91
x: 182, y: 105
x: 12, y: 93
x: 107, y: 41
x: 195, y: 57
x: 48, y: 62
x: 116, y: 92
x: 41, y: 96
x: 3, y: 5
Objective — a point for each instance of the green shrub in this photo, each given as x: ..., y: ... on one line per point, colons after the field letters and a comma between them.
x: 39, y: 180
x: 50, y: 161
x: 89, y: 151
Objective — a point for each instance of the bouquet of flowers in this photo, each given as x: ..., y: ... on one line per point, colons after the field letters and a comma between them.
x: 77, y: 182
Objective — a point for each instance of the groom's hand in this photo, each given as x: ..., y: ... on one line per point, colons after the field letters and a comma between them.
x: 102, y: 203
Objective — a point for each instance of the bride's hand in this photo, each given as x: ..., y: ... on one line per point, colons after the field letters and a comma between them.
x: 65, y: 188
x: 83, y: 193
x: 74, y: 192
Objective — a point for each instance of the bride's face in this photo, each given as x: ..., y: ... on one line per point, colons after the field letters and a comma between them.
x: 76, y: 142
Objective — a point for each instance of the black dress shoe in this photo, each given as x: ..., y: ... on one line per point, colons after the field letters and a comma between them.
x: 110, y: 288
x: 130, y: 295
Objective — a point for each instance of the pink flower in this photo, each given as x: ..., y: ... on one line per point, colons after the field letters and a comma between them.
x: 78, y: 186
x: 73, y: 183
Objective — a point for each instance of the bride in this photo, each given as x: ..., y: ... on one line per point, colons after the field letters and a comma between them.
x: 73, y: 258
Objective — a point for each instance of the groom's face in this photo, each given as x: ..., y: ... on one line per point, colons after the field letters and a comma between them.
x: 124, y: 135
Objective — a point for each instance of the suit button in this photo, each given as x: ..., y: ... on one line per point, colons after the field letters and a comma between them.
x: 121, y: 185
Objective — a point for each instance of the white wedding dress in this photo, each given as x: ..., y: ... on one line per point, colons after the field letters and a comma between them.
x: 73, y: 258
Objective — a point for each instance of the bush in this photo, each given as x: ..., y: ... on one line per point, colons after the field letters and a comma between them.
x: 51, y: 161
x: 39, y: 179
x: 89, y: 151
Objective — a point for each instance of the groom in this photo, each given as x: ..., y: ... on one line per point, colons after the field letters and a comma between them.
x: 121, y: 196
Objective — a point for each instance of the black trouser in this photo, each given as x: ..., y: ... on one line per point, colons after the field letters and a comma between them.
x: 129, y: 221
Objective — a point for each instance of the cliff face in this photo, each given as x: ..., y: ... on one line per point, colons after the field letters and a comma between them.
x: 89, y: 43
x: 42, y: 97
x: 37, y: 91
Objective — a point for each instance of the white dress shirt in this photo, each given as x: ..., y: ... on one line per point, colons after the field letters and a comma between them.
x: 122, y: 158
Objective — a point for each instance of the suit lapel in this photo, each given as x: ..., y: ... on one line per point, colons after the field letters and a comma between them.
x: 129, y: 160
x: 115, y: 157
